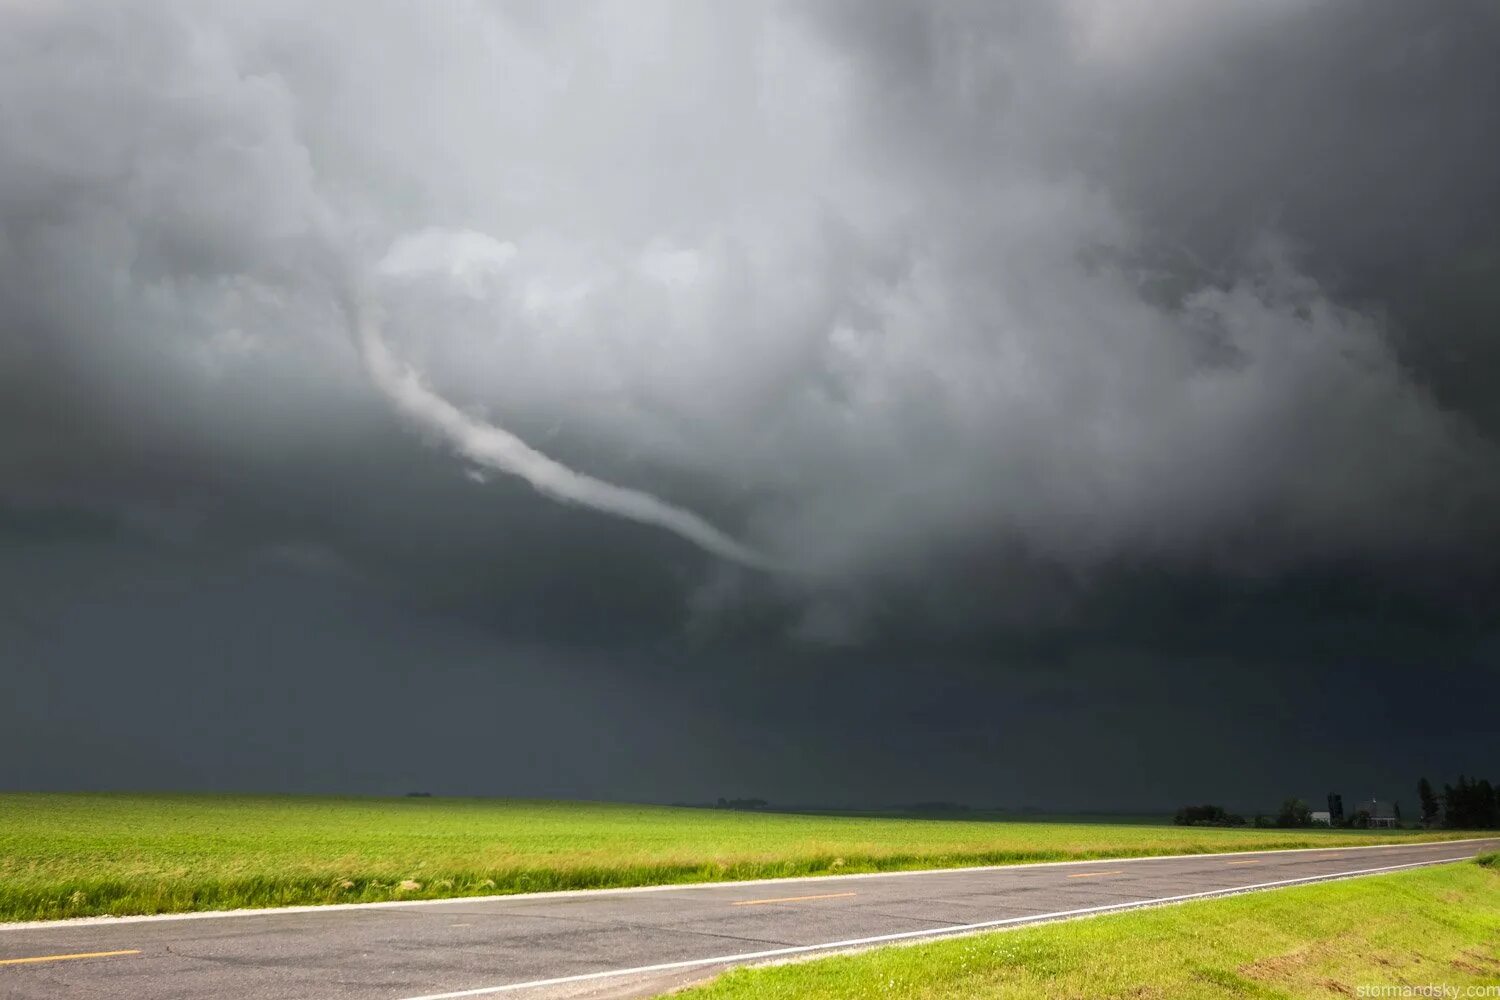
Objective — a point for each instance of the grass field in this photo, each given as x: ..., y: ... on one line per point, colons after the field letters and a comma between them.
x: 1432, y: 927
x: 65, y: 855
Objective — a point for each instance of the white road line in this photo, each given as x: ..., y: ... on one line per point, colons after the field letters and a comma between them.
x: 935, y: 932
x: 274, y: 911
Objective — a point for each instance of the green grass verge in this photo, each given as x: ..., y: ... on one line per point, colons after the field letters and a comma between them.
x: 1422, y: 928
x: 66, y: 855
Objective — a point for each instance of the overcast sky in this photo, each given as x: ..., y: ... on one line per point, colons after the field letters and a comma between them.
x: 1070, y: 405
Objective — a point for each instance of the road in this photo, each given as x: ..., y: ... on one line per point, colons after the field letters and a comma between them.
x: 614, y: 943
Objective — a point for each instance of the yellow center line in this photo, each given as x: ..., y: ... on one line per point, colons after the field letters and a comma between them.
x: 1242, y: 862
x: 791, y: 899
x: 64, y: 958
x: 1094, y: 874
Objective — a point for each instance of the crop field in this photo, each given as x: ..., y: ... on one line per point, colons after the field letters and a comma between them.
x: 66, y: 855
x: 1429, y: 932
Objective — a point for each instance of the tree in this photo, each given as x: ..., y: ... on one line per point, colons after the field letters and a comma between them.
x: 1470, y: 805
x: 1204, y: 815
x: 1207, y: 815
x: 1429, y: 802
x: 1486, y: 810
x: 1294, y: 812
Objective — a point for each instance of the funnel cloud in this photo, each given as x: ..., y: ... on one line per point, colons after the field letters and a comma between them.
x: 495, y: 447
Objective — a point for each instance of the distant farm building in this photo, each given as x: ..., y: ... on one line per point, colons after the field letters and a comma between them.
x: 1382, y: 814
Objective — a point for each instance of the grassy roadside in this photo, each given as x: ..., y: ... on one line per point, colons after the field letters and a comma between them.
x: 1430, y: 927
x: 65, y: 855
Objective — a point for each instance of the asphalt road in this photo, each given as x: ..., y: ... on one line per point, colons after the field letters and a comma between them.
x: 613, y: 943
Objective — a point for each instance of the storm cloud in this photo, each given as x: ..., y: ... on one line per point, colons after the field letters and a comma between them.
x: 996, y: 330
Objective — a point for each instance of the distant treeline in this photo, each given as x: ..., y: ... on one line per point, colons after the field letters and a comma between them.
x: 1293, y: 813
x: 934, y: 808
x: 750, y: 804
x: 1469, y: 805
x: 931, y: 808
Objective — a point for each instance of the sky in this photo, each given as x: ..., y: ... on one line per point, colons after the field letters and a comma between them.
x: 1068, y: 406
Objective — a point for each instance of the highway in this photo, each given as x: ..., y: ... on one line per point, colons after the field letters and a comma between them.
x: 616, y: 943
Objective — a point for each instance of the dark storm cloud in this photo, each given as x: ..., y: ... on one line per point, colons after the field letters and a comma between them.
x: 901, y: 296
x: 1051, y: 346
x: 1383, y: 172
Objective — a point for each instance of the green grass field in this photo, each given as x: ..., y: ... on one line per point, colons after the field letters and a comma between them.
x: 1432, y: 927
x: 65, y: 855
